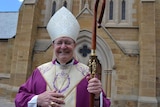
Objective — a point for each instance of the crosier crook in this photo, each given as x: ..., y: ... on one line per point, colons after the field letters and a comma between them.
x: 93, y: 61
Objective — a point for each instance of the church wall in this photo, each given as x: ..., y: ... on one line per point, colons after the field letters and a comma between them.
x: 42, y: 57
x: 126, y: 79
x: 147, y: 41
x: 3, y: 55
x: 124, y: 34
x: 6, y: 48
x: 133, y: 76
x: 75, y: 6
x: 126, y: 83
x: 21, y: 62
x: 157, y: 9
x: 42, y: 33
x: 125, y: 87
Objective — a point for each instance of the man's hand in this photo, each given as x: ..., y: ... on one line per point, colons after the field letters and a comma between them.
x: 94, y: 86
x: 49, y: 99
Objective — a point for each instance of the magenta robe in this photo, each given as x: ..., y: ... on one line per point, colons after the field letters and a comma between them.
x: 36, y: 85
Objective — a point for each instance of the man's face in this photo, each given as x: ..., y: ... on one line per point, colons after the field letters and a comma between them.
x: 64, y: 48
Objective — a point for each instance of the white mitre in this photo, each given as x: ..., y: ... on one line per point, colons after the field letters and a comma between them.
x: 63, y: 24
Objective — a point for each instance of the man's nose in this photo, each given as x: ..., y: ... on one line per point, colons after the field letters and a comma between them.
x: 63, y: 45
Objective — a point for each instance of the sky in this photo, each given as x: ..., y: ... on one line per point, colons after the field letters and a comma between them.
x: 10, y: 5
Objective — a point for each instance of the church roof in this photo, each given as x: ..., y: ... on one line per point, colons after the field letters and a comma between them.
x: 8, y: 24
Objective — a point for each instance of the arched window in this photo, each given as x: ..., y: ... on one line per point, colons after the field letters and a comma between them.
x: 53, y: 8
x: 119, y: 13
x: 65, y: 4
x: 111, y: 10
x: 123, y: 17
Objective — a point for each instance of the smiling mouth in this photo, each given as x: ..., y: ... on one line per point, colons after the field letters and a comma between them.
x: 64, y: 52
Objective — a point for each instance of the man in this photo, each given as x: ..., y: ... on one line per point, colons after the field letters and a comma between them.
x: 63, y: 82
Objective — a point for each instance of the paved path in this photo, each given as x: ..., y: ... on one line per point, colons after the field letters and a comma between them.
x: 6, y: 103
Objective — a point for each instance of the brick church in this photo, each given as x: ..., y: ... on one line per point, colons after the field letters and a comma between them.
x: 128, y: 46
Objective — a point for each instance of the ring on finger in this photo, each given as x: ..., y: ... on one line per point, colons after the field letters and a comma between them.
x: 52, y: 103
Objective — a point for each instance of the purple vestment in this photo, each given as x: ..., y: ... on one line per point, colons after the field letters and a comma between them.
x: 36, y: 85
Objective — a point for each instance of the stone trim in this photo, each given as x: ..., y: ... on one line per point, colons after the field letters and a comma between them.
x: 147, y: 99
x: 42, y: 45
x: 140, y: 99
x: 130, y: 47
x: 9, y: 87
x: 30, y: 1
x: 125, y: 97
x: 147, y: 1
x: 4, y: 76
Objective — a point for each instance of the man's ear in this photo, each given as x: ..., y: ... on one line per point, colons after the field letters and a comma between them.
x: 53, y: 44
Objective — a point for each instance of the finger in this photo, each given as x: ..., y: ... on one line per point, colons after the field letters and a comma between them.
x: 60, y: 101
x: 53, y: 104
x: 94, y: 91
x: 94, y: 84
x: 88, y: 78
x: 94, y: 80
x: 58, y: 98
x: 96, y: 87
x: 57, y: 95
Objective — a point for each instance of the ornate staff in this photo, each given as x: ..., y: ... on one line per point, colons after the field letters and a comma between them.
x: 93, y: 61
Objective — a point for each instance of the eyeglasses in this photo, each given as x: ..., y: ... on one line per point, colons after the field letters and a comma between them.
x: 67, y: 43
